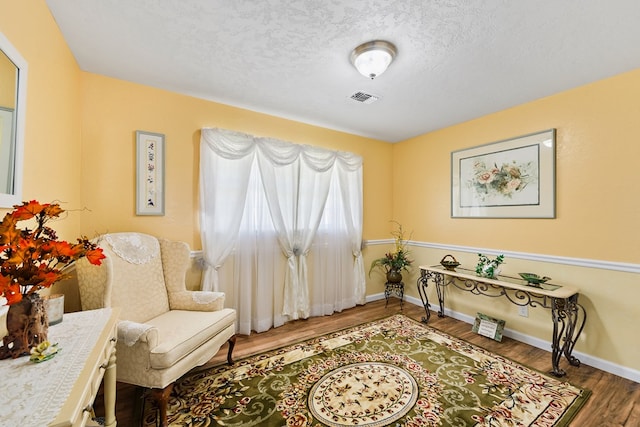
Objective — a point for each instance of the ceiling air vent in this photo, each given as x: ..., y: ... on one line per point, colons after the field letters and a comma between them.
x: 365, y: 98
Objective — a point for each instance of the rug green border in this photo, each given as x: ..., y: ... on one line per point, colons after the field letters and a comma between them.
x: 565, y: 419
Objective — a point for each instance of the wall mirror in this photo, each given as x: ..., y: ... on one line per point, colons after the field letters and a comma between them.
x: 13, y: 89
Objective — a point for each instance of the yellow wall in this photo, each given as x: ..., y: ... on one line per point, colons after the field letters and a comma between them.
x: 80, y: 150
x: 597, y: 209
x: 113, y: 110
x: 596, y: 163
x: 52, y: 170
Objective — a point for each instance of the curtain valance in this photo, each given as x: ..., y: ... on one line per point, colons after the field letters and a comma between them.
x: 235, y: 145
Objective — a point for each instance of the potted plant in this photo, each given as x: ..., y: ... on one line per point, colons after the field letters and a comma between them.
x: 32, y: 259
x: 394, y: 262
x: 489, y: 268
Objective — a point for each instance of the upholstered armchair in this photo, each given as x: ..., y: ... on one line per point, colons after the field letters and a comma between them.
x: 164, y: 329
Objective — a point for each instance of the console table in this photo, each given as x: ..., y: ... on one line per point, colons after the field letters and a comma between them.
x: 568, y: 316
x: 60, y: 391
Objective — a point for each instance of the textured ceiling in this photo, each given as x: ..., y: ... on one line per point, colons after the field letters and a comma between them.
x: 457, y: 59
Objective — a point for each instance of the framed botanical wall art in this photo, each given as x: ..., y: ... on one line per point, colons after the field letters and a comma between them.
x: 149, y: 173
x: 513, y: 178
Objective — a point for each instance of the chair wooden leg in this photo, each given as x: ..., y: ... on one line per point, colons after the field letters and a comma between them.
x: 161, y: 397
x: 232, y: 344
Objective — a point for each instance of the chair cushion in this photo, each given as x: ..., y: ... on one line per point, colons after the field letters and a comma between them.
x: 180, y: 332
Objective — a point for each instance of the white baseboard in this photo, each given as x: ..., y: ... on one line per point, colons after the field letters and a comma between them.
x: 603, y: 365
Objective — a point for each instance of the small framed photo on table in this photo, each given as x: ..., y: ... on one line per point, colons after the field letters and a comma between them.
x: 149, y: 173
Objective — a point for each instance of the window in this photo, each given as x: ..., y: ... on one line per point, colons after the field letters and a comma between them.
x: 281, y: 227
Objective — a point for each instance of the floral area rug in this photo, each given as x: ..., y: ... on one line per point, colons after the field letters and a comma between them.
x: 394, y: 371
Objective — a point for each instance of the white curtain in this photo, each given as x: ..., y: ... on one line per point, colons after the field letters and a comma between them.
x: 350, y: 180
x: 254, y: 274
x: 226, y: 160
x: 331, y: 247
x: 258, y: 191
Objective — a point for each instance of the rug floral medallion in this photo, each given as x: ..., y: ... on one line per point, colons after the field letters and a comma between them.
x: 394, y: 371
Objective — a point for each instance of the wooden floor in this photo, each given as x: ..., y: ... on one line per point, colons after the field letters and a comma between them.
x: 615, y: 401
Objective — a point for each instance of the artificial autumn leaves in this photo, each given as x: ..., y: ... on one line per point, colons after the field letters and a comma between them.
x: 33, y: 259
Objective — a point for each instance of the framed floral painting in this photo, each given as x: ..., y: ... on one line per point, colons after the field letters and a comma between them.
x: 513, y: 178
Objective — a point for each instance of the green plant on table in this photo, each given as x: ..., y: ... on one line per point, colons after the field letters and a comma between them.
x: 488, y: 267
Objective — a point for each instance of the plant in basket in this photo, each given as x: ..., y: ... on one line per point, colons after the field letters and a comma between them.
x: 32, y: 259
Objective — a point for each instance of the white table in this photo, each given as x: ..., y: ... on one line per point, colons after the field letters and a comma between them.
x: 60, y: 391
x: 568, y: 316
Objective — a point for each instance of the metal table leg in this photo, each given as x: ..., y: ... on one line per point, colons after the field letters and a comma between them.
x: 438, y: 279
x: 569, y: 319
x: 422, y: 284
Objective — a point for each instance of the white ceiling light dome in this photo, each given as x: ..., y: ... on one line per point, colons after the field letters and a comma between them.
x: 373, y: 58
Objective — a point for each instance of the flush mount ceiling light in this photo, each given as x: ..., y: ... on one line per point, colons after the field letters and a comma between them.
x: 372, y: 58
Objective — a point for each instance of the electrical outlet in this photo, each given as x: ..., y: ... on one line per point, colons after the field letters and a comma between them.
x: 523, y: 310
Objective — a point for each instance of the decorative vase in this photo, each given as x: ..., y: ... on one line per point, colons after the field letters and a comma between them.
x: 490, y: 271
x: 489, y: 268
x: 394, y: 276
x: 27, y: 326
